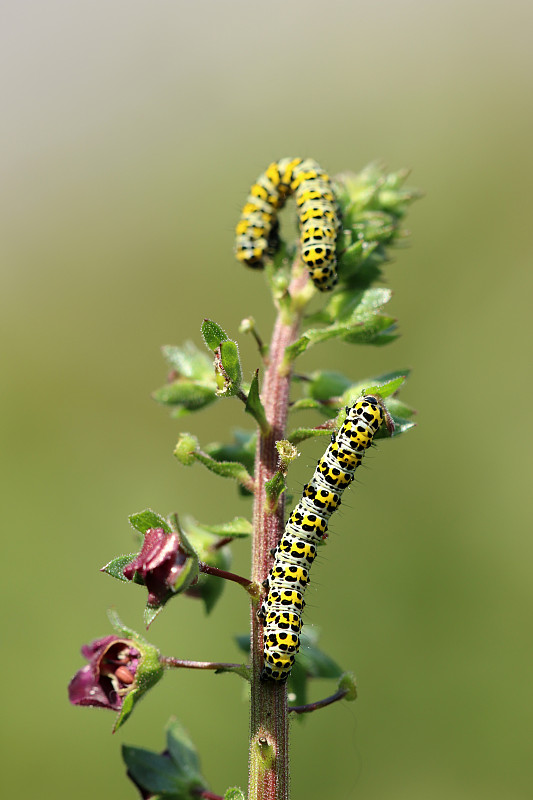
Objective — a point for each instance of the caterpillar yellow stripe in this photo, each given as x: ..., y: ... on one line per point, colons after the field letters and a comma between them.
x: 319, y: 222
x: 281, y: 610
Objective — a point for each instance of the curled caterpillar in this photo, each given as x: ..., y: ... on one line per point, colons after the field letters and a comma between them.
x: 257, y: 229
x: 281, y: 610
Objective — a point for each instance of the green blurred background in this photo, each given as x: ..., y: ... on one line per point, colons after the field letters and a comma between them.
x: 131, y: 132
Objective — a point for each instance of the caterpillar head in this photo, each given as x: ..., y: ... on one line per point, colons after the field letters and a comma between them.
x: 372, y: 408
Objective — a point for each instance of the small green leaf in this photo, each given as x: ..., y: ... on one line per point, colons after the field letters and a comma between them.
x: 189, y: 362
x: 400, y: 426
x: 147, y: 519
x: 254, y: 405
x: 151, y: 612
x: 297, y: 348
x: 119, y: 627
x: 273, y: 488
x: 301, y: 434
x: 305, y: 404
x: 190, y: 395
x: 116, y: 565
x: 325, y: 384
x: 213, y: 334
x: 233, y: 793
x: 226, y: 469
x: 228, y: 365
x: 238, y: 528
x: 241, y: 450
x: 348, y: 682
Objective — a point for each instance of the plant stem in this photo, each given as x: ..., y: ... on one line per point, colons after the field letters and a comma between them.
x: 179, y: 663
x: 251, y: 587
x: 206, y: 795
x: 327, y: 701
x: 269, y: 735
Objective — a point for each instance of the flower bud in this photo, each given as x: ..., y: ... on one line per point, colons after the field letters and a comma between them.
x: 166, y: 565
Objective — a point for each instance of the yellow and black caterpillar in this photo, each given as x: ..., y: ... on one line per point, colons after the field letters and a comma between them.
x: 257, y: 229
x: 281, y: 611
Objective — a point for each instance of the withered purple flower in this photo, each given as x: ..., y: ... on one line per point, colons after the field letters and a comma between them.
x: 160, y: 564
x: 109, y: 676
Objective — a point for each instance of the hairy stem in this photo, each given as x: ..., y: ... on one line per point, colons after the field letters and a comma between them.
x: 269, y: 745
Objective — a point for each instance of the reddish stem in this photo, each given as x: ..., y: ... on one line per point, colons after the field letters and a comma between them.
x: 327, y: 701
x: 229, y: 576
x: 206, y: 795
x: 222, y: 542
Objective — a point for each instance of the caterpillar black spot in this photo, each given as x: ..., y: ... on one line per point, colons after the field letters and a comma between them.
x: 319, y: 222
x: 281, y: 610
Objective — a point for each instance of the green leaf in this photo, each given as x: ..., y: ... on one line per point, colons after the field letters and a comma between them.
x: 387, y: 388
x: 273, y: 488
x: 238, y: 528
x: 384, y: 385
x: 210, y: 590
x: 226, y: 469
x: 361, y: 322
x: 189, y: 362
x: 301, y: 434
x: 400, y: 426
x: 254, y: 405
x: 325, y: 384
x: 116, y: 566
x: 189, y: 395
x: 314, y: 661
x: 151, y: 612
x: 230, y: 368
x: 121, y: 629
x: 155, y: 773
x: 243, y: 642
x: 183, y: 752
x: 297, y: 686
x: 147, y: 519
x: 241, y: 450
x: 233, y: 793
x: 347, y: 681
x: 213, y: 334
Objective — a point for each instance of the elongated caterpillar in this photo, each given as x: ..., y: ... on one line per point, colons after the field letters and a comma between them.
x: 282, y: 608
x: 257, y: 229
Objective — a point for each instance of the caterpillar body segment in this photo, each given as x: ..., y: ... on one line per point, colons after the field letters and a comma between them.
x: 306, y: 528
x: 318, y: 216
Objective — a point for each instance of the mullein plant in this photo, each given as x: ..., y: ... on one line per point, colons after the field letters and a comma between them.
x: 181, y: 556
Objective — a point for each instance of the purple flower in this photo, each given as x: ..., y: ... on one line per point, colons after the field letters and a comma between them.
x: 109, y: 675
x: 162, y: 563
